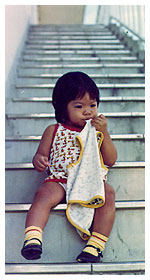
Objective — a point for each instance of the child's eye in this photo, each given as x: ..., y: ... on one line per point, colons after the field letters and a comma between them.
x: 78, y: 106
x: 93, y: 105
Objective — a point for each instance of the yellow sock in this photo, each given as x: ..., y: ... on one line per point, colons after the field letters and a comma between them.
x: 33, y: 235
x: 97, y: 240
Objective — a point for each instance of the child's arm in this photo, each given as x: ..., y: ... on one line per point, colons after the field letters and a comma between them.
x: 108, y: 149
x: 40, y: 160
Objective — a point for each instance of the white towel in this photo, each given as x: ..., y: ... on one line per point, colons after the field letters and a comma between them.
x: 85, y: 185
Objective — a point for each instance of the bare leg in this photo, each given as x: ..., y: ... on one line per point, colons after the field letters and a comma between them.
x: 102, y: 226
x: 46, y: 197
x: 105, y: 215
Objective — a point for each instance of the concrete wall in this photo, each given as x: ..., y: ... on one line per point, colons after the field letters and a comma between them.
x: 17, y: 20
x: 61, y: 14
x: 133, y: 16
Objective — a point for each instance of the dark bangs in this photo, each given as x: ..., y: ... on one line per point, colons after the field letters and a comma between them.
x: 69, y: 87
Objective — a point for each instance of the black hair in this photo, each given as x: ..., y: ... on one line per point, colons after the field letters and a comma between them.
x: 71, y: 86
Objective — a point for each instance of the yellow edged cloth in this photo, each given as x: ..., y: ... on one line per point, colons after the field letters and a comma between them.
x: 85, y: 183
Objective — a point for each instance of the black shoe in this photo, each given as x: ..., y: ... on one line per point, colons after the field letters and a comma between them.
x: 32, y: 251
x: 86, y: 257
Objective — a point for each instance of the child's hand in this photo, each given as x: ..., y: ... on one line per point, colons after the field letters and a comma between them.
x: 40, y: 162
x: 100, y: 123
x: 108, y: 149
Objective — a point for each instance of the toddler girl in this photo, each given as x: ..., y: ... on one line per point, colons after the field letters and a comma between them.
x: 75, y: 100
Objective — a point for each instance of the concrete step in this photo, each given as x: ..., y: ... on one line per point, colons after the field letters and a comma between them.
x: 129, y: 148
x: 62, y: 38
x: 75, y: 47
x: 34, y: 124
x: 107, y: 104
x: 98, y: 78
x: 127, y: 235
x: 77, y: 28
x: 22, y: 181
x: 53, y: 60
x: 77, y: 53
x: 101, y: 68
x: 33, y: 90
x: 80, y: 31
x: 69, y: 30
x: 69, y: 42
x: 65, y: 268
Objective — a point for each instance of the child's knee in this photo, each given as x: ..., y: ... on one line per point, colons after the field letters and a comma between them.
x: 44, y: 195
x: 50, y: 194
x: 40, y: 192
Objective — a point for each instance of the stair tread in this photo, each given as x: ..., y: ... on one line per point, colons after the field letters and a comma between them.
x: 116, y: 75
x: 59, y: 35
x: 68, y: 42
x: 113, y: 136
x: 13, y: 207
x: 98, y: 85
x: 83, y: 65
x: 52, y: 115
x: 102, y: 99
x: 75, y: 267
x: 83, y: 52
x: 121, y: 164
x: 28, y: 58
x: 70, y: 33
x: 61, y: 47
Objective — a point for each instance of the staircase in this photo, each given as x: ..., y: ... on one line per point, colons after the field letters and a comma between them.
x: 49, y: 52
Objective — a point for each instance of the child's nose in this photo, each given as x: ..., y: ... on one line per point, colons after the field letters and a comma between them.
x: 87, y: 111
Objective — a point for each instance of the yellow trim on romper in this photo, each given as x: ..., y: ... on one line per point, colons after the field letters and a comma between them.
x: 100, y: 143
x: 81, y: 202
x: 80, y: 142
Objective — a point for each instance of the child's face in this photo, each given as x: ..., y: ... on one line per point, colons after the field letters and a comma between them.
x: 80, y: 110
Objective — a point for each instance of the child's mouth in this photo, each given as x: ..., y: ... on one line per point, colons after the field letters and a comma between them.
x: 88, y: 119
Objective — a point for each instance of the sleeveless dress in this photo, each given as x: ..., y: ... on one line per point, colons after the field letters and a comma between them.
x: 77, y: 163
x: 64, y: 151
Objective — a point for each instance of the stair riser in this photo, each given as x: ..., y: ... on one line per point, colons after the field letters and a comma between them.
x: 47, y: 107
x: 27, y: 62
x: 76, y: 53
x: 74, y: 44
x: 102, y: 46
x: 98, y: 70
x: 132, y: 150
x: 69, y: 31
x: 72, y: 41
x: 102, y: 80
x: 59, y: 236
x: 47, y: 92
x: 36, y: 126
x: 28, y: 181
x: 65, y: 38
x: 75, y: 34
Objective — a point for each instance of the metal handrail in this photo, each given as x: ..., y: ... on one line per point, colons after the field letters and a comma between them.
x: 128, y: 31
